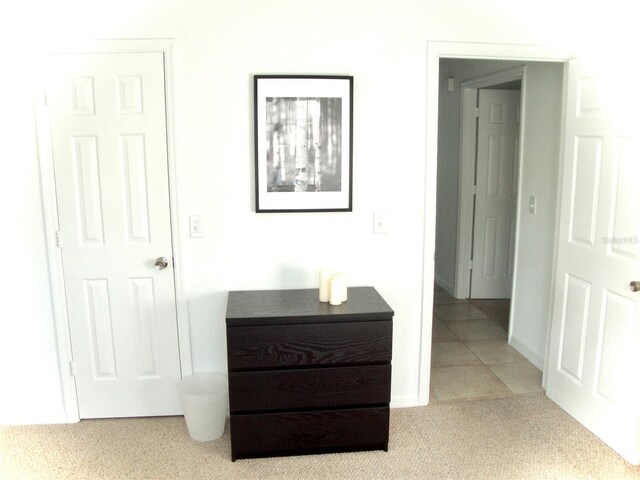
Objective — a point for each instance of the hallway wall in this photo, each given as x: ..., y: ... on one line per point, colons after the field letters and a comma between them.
x: 542, y: 97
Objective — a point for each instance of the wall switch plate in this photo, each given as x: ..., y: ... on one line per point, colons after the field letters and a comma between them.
x: 380, y: 222
x: 451, y: 84
x: 533, y: 203
x: 196, y: 227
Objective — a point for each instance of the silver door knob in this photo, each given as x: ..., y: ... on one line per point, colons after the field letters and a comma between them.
x: 161, y: 263
x: 635, y: 286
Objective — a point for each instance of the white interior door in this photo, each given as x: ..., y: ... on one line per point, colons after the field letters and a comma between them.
x: 496, y: 193
x: 107, y: 114
x: 593, y: 362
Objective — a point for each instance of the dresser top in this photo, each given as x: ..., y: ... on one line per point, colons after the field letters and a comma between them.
x: 281, y: 307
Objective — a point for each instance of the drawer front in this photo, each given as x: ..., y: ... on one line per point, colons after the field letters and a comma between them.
x: 309, y: 388
x: 264, y: 435
x: 304, y: 345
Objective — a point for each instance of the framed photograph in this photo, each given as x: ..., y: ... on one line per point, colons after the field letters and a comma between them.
x: 303, y: 142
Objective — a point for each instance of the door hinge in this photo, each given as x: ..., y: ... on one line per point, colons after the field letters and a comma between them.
x: 474, y: 189
x: 72, y: 368
x: 58, y: 239
x: 470, y: 264
x: 46, y: 99
x: 476, y: 111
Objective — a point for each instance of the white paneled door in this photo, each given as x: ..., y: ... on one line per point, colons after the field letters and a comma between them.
x: 494, y: 224
x: 107, y: 114
x: 594, y: 360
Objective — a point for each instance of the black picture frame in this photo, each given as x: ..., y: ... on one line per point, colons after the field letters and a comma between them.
x: 303, y: 143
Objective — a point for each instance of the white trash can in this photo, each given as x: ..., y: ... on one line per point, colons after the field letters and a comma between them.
x: 204, y: 398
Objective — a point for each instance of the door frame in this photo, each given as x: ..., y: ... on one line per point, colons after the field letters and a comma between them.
x: 462, y: 50
x: 470, y: 88
x: 50, y: 202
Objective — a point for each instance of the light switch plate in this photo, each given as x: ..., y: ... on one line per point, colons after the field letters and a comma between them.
x: 380, y: 222
x: 196, y: 227
x: 533, y: 201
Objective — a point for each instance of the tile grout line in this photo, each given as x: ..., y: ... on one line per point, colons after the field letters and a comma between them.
x: 472, y: 352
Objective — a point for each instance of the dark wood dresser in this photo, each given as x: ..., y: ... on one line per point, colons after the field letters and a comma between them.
x: 306, y: 376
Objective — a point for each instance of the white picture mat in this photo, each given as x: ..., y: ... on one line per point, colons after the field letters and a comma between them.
x: 303, y: 88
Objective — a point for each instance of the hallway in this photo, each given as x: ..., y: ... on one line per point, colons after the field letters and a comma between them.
x: 470, y: 356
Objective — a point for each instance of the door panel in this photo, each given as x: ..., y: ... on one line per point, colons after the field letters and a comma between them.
x: 135, y: 174
x: 496, y: 193
x: 85, y: 170
x: 617, y: 323
x: 574, y: 328
x: 625, y: 218
x: 586, y: 180
x: 97, y: 300
x: 595, y: 332
x: 107, y: 114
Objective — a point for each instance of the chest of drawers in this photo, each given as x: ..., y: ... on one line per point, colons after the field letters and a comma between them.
x: 305, y: 376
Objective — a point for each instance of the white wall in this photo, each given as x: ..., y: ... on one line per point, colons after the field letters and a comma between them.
x: 540, y: 156
x: 219, y: 45
x: 532, y: 294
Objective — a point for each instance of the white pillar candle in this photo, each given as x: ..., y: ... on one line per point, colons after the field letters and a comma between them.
x: 343, y: 283
x: 325, y: 280
x: 336, y: 289
x: 344, y: 287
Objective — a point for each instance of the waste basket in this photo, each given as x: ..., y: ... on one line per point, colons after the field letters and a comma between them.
x: 204, y: 398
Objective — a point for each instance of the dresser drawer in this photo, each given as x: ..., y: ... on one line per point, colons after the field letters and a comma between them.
x: 301, y: 345
x: 323, y: 431
x: 309, y: 388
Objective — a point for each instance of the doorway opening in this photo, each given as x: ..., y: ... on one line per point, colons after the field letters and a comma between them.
x: 474, y: 352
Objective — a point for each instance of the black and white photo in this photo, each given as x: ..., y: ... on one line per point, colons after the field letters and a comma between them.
x: 303, y: 128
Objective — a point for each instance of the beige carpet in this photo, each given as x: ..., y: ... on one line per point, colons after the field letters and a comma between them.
x: 525, y: 437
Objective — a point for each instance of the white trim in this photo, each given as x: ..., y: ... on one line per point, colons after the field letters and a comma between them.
x: 182, y: 310
x: 435, y: 51
x: 54, y: 255
x: 468, y: 107
x: 442, y: 283
x: 404, y: 402
x: 527, y: 353
x: 500, y: 51
x: 164, y: 46
x: 496, y: 78
x: 519, y: 212
x: 556, y: 243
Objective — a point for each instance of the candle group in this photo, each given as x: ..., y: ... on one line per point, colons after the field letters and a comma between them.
x: 333, y: 287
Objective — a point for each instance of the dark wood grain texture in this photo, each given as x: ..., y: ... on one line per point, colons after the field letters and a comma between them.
x: 277, y: 346
x: 282, y: 307
x: 320, y: 431
x: 309, y: 388
x: 308, y: 377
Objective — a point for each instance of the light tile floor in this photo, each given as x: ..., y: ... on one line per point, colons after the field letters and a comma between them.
x: 470, y: 356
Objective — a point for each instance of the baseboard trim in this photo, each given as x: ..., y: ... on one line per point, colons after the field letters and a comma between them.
x: 443, y: 284
x: 405, y: 402
x: 527, y: 353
